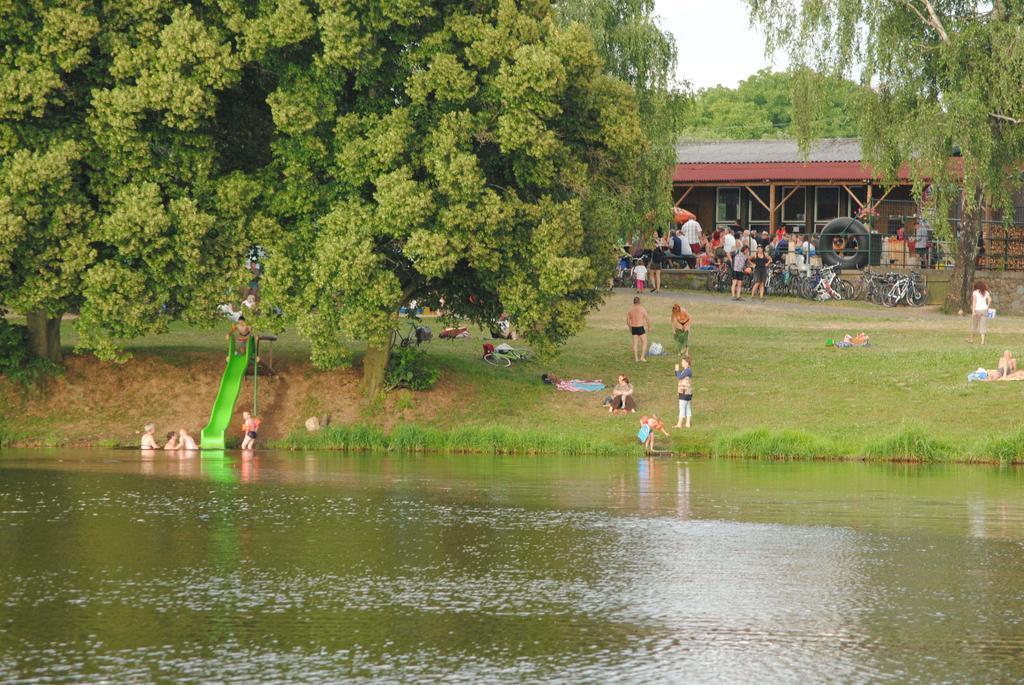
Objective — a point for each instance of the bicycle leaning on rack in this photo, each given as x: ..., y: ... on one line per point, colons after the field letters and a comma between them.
x: 893, y: 288
x: 825, y: 284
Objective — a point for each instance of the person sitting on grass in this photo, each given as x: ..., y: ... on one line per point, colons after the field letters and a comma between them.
x: 622, y: 397
x: 244, y: 331
x: 648, y: 425
x: 148, y: 439
x: 1006, y: 365
x: 186, y: 442
x: 172, y: 441
x: 250, y: 427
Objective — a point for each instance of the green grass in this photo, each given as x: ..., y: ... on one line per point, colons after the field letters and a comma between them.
x: 765, y: 386
x: 470, y: 439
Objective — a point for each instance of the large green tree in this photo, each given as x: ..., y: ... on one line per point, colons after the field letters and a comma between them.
x: 467, y: 152
x: 939, y: 75
x: 764, y: 106
x: 113, y: 197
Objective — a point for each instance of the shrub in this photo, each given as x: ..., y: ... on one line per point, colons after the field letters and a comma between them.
x: 1009, y: 449
x: 16, y: 361
x: 912, y: 444
x: 408, y: 368
x: 764, y: 443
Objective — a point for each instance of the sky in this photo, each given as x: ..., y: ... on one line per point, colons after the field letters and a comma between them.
x: 715, y: 42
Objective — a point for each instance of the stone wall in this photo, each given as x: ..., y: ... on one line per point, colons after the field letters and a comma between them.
x: 1007, y: 289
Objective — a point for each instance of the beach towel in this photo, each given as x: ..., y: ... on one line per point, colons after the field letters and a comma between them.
x: 576, y: 385
x: 643, y: 433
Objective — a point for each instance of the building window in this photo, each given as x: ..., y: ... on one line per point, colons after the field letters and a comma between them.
x: 757, y: 211
x: 728, y: 205
x: 828, y: 204
x: 794, y: 210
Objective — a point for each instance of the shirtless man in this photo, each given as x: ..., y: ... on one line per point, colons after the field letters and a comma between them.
x: 148, y: 438
x: 639, y: 325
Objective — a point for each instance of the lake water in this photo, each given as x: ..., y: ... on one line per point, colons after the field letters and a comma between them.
x: 328, y: 567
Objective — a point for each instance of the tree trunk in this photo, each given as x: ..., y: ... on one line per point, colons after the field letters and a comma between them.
x: 44, y: 336
x: 962, y: 280
x: 375, y: 367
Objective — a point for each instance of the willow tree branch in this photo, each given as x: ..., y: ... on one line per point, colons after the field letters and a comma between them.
x: 934, y: 21
x: 931, y: 20
x: 1003, y: 117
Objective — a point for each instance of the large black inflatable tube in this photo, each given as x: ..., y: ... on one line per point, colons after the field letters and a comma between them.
x: 851, y: 229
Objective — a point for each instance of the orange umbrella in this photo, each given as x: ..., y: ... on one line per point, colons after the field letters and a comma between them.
x: 683, y: 215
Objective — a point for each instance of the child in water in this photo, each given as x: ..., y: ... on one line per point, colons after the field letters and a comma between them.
x: 250, y: 427
x: 186, y: 442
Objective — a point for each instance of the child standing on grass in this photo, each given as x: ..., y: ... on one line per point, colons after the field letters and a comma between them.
x: 250, y: 428
x: 684, y: 384
x: 640, y: 274
x: 649, y: 424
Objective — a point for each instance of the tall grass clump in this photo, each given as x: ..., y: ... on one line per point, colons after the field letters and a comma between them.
x: 910, y: 444
x: 762, y: 443
x: 1006, y: 450
x: 465, y: 439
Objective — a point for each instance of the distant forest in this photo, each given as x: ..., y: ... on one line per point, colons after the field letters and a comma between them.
x: 762, y: 106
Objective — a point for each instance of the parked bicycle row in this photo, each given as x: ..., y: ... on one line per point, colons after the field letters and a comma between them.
x: 826, y: 283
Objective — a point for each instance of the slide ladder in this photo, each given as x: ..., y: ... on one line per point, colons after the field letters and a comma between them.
x: 230, y: 386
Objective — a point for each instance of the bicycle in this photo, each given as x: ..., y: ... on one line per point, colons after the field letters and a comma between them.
x: 825, y: 284
x: 720, y: 279
x: 504, y: 355
x: 909, y: 289
x: 415, y: 335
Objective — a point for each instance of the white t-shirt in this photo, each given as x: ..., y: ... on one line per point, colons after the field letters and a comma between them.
x: 981, y: 302
x: 729, y: 243
x: 640, y: 271
x: 692, y: 231
x: 685, y: 250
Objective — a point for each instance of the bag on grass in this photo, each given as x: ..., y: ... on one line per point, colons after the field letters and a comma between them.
x: 656, y: 349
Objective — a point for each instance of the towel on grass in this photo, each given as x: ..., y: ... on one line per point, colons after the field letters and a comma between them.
x: 576, y: 385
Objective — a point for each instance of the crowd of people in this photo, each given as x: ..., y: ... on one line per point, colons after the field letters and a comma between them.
x: 742, y: 251
x: 182, y: 441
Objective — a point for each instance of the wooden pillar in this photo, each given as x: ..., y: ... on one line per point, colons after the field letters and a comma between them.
x: 772, y: 209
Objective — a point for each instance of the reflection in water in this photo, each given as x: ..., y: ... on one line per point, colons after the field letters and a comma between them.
x: 261, y: 566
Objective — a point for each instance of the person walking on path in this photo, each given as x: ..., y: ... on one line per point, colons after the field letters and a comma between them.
x: 681, y: 329
x: 657, y: 262
x: 981, y: 301
x: 760, y: 261
x: 684, y: 385
x: 639, y: 326
x: 640, y: 275
x: 739, y: 267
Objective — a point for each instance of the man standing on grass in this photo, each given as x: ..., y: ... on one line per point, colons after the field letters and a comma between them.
x: 639, y: 325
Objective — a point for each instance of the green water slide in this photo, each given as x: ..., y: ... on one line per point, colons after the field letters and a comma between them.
x: 230, y: 385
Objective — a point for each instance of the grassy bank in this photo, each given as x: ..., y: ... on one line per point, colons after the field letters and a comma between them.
x: 765, y: 386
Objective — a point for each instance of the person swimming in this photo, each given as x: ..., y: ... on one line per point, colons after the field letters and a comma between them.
x: 186, y: 442
x: 148, y: 438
